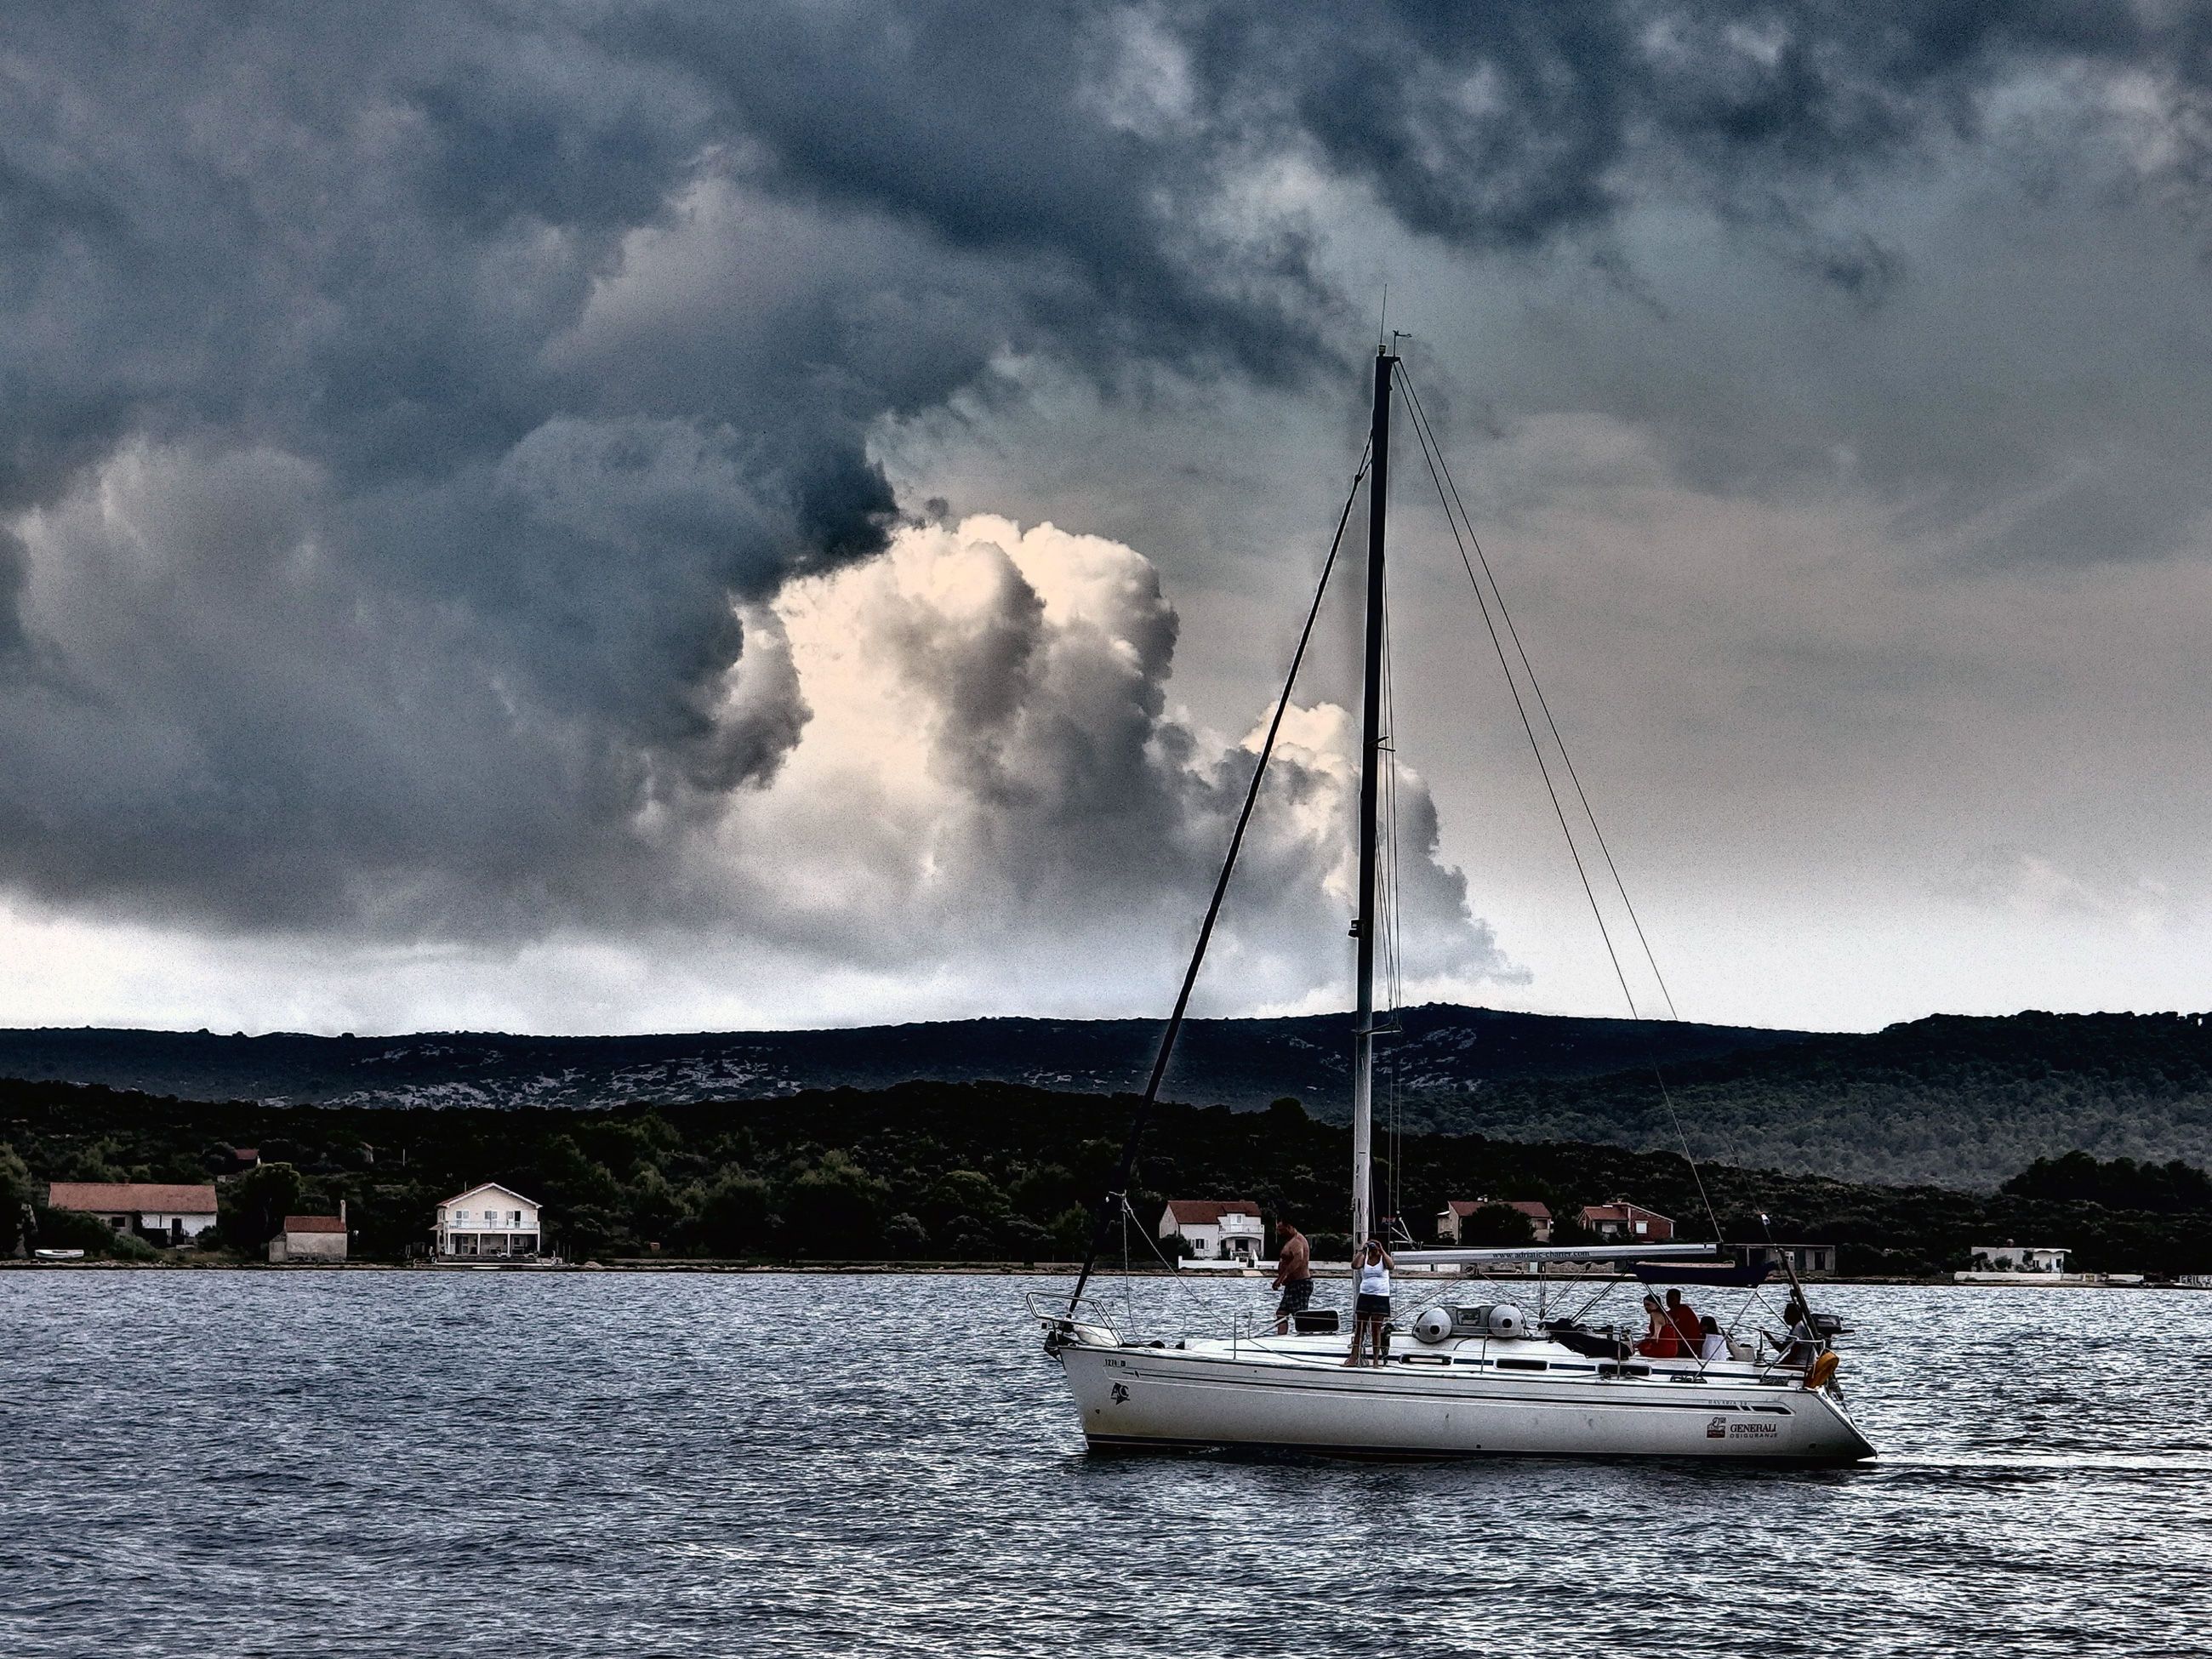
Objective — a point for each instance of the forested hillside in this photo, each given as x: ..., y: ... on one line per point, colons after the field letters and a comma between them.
x: 1958, y: 1101
x: 989, y: 1171
x: 1955, y: 1102
x: 1440, y: 1052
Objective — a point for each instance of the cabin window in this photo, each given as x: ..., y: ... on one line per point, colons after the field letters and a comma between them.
x: 1523, y: 1365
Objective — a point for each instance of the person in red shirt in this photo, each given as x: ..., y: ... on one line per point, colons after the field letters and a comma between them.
x: 1684, y: 1318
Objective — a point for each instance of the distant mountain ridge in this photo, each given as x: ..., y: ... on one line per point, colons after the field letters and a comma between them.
x: 1953, y: 1101
x: 1443, y: 1053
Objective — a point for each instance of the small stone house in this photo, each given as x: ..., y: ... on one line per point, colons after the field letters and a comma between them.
x: 1809, y: 1260
x: 1217, y: 1229
x: 311, y: 1238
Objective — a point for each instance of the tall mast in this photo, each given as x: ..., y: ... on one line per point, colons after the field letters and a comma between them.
x: 1371, y: 771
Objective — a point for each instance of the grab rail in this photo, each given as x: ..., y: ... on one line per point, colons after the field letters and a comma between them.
x: 1054, y: 1310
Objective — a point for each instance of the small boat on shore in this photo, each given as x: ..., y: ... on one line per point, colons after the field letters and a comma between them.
x: 1460, y: 1378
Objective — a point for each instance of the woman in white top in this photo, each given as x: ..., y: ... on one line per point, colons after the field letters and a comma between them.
x: 1371, y: 1307
x: 1712, y: 1344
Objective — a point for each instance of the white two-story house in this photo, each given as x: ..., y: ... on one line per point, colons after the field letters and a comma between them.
x: 489, y: 1220
x: 2009, y: 1257
x: 1217, y: 1229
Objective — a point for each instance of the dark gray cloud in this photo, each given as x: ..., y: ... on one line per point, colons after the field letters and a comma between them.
x: 399, y: 410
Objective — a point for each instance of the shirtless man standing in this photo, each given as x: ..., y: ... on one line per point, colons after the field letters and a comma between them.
x: 1293, y: 1274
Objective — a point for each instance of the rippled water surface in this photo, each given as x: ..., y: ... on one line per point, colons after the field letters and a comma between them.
x: 489, y: 1464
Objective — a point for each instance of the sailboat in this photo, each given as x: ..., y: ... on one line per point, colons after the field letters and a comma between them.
x: 1456, y: 1380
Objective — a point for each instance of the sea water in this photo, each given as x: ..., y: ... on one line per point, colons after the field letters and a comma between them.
x: 493, y: 1464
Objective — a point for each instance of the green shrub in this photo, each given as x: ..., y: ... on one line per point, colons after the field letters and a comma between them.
x: 904, y: 1236
x: 69, y: 1229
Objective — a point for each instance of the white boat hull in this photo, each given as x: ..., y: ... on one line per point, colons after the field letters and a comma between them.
x: 1300, y: 1396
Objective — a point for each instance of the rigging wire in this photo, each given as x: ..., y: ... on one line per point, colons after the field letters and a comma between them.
x: 1527, y: 726
x: 1120, y: 1181
x: 1390, y: 917
x: 1439, y: 471
x: 1544, y: 705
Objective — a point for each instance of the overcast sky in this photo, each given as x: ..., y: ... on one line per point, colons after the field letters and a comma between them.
x: 619, y: 516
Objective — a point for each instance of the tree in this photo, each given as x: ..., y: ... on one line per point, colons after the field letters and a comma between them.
x: 963, y: 1196
x: 733, y: 1214
x: 1497, y: 1224
x: 253, y: 1207
x: 574, y: 1177
x: 655, y: 1206
x: 1021, y: 1239
x: 15, y: 1198
x: 1071, y: 1232
x: 905, y: 1236
x: 836, y: 1207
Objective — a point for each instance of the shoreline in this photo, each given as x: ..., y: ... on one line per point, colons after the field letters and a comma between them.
x: 978, y: 1270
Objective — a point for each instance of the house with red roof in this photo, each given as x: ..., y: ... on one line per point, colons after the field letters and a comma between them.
x: 311, y: 1237
x: 1217, y: 1229
x: 1453, y: 1213
x: 167, y: 1213
x: 1623, y: 1223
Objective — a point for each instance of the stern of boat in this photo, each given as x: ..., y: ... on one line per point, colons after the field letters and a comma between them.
x: 1844, y: 1442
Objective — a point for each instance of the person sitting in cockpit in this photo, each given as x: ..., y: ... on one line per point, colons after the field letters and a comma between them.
x: 1661, y: 1341
x: 1800, y: 1346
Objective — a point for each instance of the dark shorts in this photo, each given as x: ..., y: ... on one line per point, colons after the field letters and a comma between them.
x: 1372, y: 1307
x: 1297, y: 1296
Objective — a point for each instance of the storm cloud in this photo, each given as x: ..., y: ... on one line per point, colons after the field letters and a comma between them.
x: 424, y: 431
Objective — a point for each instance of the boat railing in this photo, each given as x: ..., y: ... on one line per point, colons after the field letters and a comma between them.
x: 1053, y: 1309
